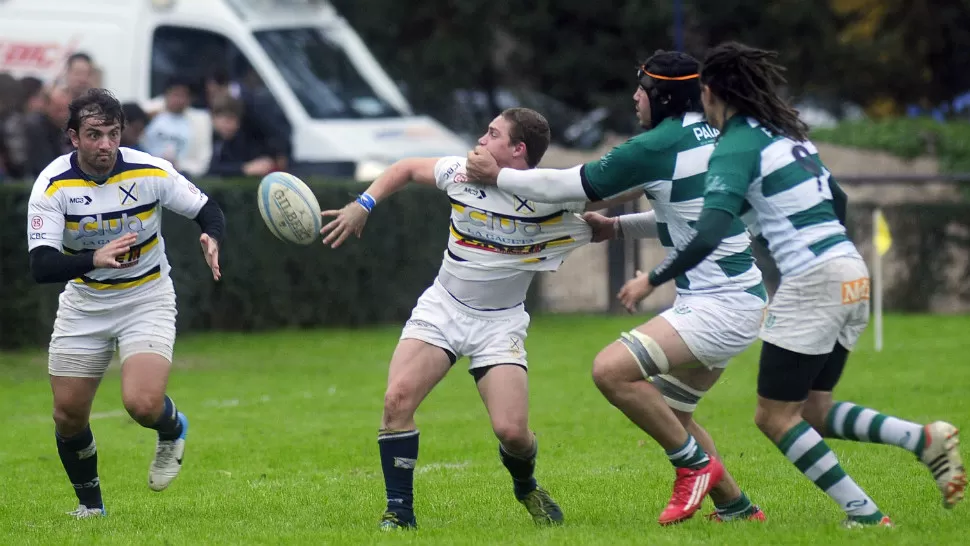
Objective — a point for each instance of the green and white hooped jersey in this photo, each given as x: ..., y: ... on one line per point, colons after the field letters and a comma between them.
x: 787, y: 194
x: 670, y: 163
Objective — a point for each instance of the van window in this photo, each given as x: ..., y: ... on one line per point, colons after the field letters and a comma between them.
x: 321, y: 75
x: 195, y: 54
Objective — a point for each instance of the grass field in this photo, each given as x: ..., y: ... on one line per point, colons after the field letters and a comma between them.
x: 282, y: 448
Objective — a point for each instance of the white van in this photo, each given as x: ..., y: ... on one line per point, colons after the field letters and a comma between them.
x: 347, y: 116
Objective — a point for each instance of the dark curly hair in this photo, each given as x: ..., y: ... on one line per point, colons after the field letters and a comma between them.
x: 96, y: 103
x: 747, y: 79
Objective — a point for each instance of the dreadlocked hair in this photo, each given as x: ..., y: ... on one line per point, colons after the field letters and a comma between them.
x: 748, y: 79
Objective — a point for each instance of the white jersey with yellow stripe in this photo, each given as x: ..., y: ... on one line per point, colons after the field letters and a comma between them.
x: 498, y: 240
x: 73, y: 214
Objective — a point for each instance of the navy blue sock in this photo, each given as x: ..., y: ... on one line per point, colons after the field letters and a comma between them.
x: 522, y: 469
x: 79, y: 455
x: 168, y: 425
x: 399, y: 454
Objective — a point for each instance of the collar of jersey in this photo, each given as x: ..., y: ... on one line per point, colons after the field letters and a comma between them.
x: 116, y: 170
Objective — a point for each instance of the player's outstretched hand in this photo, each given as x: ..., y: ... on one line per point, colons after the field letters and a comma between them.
x: 481, y: 167
x: 107, y: 256
x: 350, y: 219
x: 634, y: 291
x: 210, y: 249
x: 604, y: 227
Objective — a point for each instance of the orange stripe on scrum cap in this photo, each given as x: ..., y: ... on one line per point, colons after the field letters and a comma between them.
x: 672, y: 78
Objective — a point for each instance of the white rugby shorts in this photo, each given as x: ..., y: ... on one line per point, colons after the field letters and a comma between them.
x: 825, y: 304
x: 87, y: 331
x: 487, y: 338
x: 717, y: 327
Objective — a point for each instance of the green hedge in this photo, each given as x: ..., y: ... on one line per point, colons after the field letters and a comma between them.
x: 266, y: 283
x: 907, y: 138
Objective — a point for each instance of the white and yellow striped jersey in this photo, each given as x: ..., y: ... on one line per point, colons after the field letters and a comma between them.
x: 498, y: 240
x: 73, y: 214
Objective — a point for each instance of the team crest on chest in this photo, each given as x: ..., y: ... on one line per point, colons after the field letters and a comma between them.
x: 524, y: 205
x: 128, y: 193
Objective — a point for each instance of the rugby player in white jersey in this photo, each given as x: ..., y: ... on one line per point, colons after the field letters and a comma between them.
x: 765, y: 169
x: 474, y: 308
x: 94, y: 222
x: 657, y: 373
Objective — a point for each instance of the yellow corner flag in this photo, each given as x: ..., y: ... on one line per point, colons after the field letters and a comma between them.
x: 882, y: 237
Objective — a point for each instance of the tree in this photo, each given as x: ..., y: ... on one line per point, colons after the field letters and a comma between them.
x: 908, y: 51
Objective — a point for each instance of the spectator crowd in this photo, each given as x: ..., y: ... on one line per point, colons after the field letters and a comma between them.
x: 214, y: 128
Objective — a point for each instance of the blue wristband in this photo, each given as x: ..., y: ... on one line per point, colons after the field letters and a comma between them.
x: 367, y: 201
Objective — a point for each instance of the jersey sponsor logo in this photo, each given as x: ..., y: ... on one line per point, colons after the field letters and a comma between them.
x: 477, y: 192
x: 84, y: 200
x: 451, y: 170
x: 130, y: 259
x: 705, y: 132
x: 497, y: 224
x: 855, y: 291
x: 461, y: 178
x: 97, y: 226
x: 36, y: 222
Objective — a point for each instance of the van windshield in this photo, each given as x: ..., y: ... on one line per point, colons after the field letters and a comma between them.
x: 321, y: 75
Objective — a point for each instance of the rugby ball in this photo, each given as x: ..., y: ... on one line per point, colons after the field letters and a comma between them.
x: 289, y: 208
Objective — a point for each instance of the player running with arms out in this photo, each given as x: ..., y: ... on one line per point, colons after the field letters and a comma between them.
x: 94, y: 222
x: 474, y: 308
x: 657, y: 373
x: 765, y: 168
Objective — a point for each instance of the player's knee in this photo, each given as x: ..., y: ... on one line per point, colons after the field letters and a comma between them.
x: 144, y: 407
x: 775, y: 422
x: 69, y: 420
x: 764, y: 420
x: 608, y: 373
x: 398, y: 404
x: 514, y: 435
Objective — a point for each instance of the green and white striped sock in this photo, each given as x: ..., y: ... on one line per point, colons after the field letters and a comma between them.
x: 805, y: 448
x: 851, y: 422
x: 738, y: 508
x: 689, y: 455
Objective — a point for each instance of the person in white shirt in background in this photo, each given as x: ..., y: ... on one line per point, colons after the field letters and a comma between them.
x: 177, y: 132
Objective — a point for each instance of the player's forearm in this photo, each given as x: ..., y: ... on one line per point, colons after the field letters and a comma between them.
x: 47, y: 265
x: 544, y: 185
x: 392, y: 180
x: 212, y: 220
x: 642, y: 225
x: 712, y: 227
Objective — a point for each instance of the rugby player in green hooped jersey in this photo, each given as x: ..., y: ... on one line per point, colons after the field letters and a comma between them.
x: 765, y: 169
x: 657, y: 373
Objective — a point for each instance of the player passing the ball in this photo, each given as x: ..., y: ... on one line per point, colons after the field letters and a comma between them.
x: 94, y: 222
x: 475, y: 307
x: 657, y: 373
x: 765, y: 170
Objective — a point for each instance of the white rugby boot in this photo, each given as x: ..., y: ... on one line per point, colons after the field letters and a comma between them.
x: 942, y: 456
x: 168, y: 459
x: 83, y: 512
